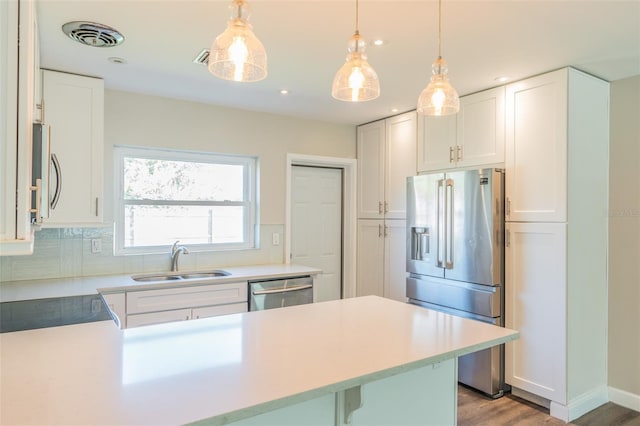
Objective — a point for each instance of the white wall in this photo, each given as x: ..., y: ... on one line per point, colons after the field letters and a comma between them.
x: 133, y: 119
x: 624, y: 239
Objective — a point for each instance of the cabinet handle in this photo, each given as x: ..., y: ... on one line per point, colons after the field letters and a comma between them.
x: 97, y: 207
x: 58, y: 170
x: 386, y: 229
x: 386, y: 207
x: 379, y: 230
x: 459, y: 153
x: 451, y: 154
x: 508, y: 207
x: 379, y: 207
x: 507, y: 238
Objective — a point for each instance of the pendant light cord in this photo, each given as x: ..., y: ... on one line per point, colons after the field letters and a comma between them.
x: 357, y: 17
x: 439, y: 28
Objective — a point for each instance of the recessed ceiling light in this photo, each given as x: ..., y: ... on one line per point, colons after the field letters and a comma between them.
x: 284, y: 92
x: 378, y: 42
x: 394, y: 110
x: 501, y: 79
x: 115, y: 60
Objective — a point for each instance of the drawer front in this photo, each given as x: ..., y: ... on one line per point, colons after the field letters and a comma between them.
x: 139, y: 320
x: 214, y: 311
x: 185, y: 297
x: 473, y: 298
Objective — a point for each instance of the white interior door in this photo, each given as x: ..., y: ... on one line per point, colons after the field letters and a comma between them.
x: 316, y: 226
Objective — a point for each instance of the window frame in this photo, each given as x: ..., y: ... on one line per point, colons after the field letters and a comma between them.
x: 250, y: 196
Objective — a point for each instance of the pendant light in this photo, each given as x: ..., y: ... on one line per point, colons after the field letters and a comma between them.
x: 439, y: 97
x: 356, y: 81
x: 237, y: 54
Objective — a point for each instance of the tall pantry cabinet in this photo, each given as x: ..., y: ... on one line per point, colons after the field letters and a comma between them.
x: 386, y: 151
x: 556, y: 239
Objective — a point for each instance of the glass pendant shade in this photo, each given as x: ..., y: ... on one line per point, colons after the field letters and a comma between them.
x: 439, y: 97
x: 237, y: 54
x: 356, y: 80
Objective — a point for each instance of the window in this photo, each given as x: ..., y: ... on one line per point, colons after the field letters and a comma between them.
x: 206, y: 201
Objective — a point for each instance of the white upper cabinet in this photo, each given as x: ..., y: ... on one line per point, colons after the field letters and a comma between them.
x: 473, y: 137
x: 386, y: 157
x: 480, y: 124
x: 370, y: 146
x: 536, y: 149
x: 18, y: 78
x: 74, y: 109
x: 436, y: 142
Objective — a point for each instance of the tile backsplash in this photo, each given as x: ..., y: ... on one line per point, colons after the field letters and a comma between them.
x: 66, y: 252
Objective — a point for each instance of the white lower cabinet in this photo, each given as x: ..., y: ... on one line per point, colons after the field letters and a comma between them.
x: 535, y: 305
x: 138, y: 320
x: 156, y: 306
x: 381, y: 267
x: 370, y: 258
x: 395, y: 262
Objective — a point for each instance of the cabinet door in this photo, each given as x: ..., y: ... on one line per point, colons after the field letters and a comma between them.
x: 400, y: 163
x: 17, y: 77
x: 436, y: 142
x: 536, y: 149
x: 214, y: 311
x: 186, y: 297
x: 395, y: 262
x: 138, y: 320
x: 535, y: 305
x: 370, y: 258
x: 480, y: 124
x: 370, y: 147
x: 74, y: 108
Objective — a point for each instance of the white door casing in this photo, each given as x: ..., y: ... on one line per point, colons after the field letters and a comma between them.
x: 349, y: 167
x: 316, y: 226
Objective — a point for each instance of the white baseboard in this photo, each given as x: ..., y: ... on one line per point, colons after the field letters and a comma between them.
x: 625, y: 399
x: 581, y: 405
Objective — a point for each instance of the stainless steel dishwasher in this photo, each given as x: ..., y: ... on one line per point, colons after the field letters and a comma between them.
x: 280, y: 292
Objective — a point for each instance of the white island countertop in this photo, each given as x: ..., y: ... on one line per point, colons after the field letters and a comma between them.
x: 222, y: 369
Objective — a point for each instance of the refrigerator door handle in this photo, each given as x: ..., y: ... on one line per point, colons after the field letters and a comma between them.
x: 448, y: 218
x: 440, y: 229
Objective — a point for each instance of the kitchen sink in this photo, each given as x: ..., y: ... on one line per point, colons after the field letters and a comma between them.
x: 157, y: 278
x: 176, y: 276
x: 210, y: 274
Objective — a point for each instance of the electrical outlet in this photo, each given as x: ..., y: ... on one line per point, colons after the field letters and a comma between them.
x: 96, y: 245
x: 276, y: 239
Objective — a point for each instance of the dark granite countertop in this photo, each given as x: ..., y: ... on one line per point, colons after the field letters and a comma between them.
x: 52, y: 312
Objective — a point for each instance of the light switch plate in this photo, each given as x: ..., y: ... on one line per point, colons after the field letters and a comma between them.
x: 96, y: 245
x: 275, y: 239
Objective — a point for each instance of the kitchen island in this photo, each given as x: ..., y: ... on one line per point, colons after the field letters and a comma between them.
x: 307, y: 364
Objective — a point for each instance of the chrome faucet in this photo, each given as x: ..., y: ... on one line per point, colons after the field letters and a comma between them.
x: 175, y: 253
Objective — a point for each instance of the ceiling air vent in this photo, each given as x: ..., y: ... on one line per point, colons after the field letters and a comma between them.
x: 93, y: 34
x: 202, y: 58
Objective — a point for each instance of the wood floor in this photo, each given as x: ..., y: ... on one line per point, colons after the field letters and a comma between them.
x: 475, y: 409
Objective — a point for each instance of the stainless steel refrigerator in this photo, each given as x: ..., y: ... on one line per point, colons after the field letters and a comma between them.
x: 455, y: 258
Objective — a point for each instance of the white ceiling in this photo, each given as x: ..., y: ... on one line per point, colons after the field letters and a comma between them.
x: 306, y: 43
